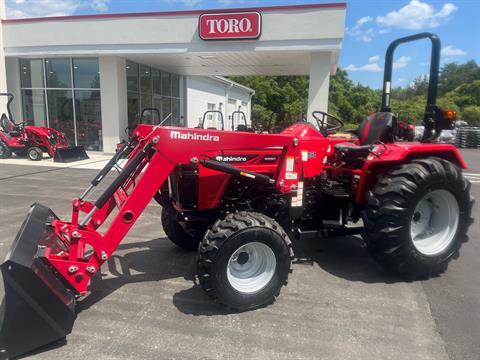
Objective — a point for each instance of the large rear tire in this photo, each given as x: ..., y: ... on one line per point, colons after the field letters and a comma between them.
x: 177, y: 234
x: 5, y: 152
x: 417, y: 217
x: 244, y: 260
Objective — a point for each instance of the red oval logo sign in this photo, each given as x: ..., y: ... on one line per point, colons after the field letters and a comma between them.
x: 230, y: 26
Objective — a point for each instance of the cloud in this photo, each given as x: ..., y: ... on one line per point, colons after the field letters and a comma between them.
x: 401, y: 81
x: 402, y: 62
x: 190, y: 3
x: 358, y: 32
x: 371, y: 67
x: 416, y: 15
x: 100, y: 5
x: 453, y: 51
x: 373, y: 59
x: 46, y: 8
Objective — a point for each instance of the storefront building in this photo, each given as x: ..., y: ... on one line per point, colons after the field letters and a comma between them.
x: 91, y: 76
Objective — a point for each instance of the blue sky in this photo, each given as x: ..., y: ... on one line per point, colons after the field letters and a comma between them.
x: 370, y: 26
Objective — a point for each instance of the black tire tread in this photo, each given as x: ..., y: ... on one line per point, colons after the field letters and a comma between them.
x: 386, y: 206
x: 220, y: 232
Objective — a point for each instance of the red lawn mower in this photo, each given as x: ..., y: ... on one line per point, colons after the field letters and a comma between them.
x: 34, y: 141
x: 239, y: 199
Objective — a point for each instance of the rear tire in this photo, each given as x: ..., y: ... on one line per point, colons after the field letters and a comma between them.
x: 35, y: 153
x: 244, y: 260
x: 177, y: 234
x: 5, y: 152
x: 417, y: 217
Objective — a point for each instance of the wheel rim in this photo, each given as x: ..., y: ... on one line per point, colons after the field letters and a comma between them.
x: 434, y: 222
x: 251, y: 267
x: 33, y: 155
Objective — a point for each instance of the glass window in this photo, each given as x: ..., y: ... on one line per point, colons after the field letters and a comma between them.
x: 89, y: 119
x: 145, y: 80
x: 166, y: 84
x: 58, y: 73
x: 133, y: 110
x: 175, y: 86
x: 145, y: 102
x: 60, y: 112
x: 33, y: 102
x: 157, y: 81
x: 86, y: 73
x: 132, y: 76
x: 31, y: 73
x: 166, y: 110
x: 176, y: 112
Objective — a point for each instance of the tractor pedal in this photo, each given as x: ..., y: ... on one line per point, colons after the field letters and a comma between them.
x: 303, y: 261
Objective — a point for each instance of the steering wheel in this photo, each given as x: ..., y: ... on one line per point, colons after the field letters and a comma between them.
x: 327, y: 123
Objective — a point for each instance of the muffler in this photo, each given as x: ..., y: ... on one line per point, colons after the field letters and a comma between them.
x: 69, y: 154
x: 38, y: 308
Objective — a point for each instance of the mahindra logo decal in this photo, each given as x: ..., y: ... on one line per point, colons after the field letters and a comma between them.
x: 229, y: 26
x: 233, y: 158
x: 178, y: 135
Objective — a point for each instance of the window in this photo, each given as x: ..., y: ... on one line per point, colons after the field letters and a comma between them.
x: 60, y: 112
x: 58, y: 73
x: 132, y: 76
x: 150, y: 87
x: 64, y: 93
x: 34, y: 107
x: 89, y: 119
x: 86, y: 73
x: 244, y: 103
x: 31, y: 73
x: 166, y: 84
x: 145, y: 80
x: 232, y: 101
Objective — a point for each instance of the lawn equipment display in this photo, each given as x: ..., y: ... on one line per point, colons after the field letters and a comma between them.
x: 34, y: 141
x: 240, y: 198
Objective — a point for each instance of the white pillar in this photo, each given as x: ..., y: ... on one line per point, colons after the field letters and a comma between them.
x: 113, y: 85
x: 12, y: 66
x: 319, y: 83
x: 3, y: 72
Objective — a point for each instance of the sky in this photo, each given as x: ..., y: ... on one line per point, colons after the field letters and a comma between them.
x: 370, y: 26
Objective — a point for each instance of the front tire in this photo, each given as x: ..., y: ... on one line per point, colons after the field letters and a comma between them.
x: 244, y: 260
x: 417, y: 217
x: 35, y: 153
x: 177, y: 234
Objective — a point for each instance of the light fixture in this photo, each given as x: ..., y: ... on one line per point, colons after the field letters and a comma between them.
x: 208, y: 57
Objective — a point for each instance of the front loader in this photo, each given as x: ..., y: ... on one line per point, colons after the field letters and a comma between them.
x: 240, y: 199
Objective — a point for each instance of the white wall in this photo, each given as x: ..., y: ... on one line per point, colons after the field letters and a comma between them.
x: 12, y: 66
x: 3, y: 74
x: 319, y: 83
x: 204, y: 90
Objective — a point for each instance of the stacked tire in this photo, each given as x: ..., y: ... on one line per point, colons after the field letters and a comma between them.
x: 468, y: 138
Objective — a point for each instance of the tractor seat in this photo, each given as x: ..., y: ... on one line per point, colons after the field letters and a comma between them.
x: 351, y: 150
x: 379, y: 127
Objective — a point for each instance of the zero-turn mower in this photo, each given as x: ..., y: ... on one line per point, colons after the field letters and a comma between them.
x: 239, y: 199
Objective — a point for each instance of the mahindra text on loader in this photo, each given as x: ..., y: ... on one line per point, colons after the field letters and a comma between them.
x: 239, y: 198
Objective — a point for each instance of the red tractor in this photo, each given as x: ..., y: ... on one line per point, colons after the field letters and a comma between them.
x: 34, y: 141
x: 240, y: 199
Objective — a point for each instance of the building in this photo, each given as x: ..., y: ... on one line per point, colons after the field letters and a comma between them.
x: 90, y: 75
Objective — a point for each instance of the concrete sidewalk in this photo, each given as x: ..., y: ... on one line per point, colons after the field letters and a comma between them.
x: 145, y: 304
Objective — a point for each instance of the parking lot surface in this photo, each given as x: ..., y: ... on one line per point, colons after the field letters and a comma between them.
x: 341, y: 305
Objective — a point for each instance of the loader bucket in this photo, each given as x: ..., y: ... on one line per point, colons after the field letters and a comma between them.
x: 69, y: 154
x: 37, y: 308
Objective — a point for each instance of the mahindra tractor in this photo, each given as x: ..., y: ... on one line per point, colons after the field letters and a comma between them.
x: 33, y: 141
x: 239, y: 199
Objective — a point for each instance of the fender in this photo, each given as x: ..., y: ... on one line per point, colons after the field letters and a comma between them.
x: 393, y: 155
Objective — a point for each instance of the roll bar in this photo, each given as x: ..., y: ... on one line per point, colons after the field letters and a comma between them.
x: 9, y: 101
x: 432, y: 118
x: 213, y: 111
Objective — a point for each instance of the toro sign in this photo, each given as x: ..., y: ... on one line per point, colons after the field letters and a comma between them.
x: 229, y: 26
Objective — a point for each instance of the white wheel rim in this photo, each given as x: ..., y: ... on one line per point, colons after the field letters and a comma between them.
x: 33, y: 155
x: 434, y: 222
x: 251, y: 267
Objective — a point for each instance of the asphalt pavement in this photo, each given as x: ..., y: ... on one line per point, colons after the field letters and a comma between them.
x: 341, y: 305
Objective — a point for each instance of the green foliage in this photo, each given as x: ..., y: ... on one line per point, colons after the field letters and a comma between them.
x: 283, y: 99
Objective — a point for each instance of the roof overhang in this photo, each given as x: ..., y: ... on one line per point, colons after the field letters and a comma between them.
x: 170, y: 41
